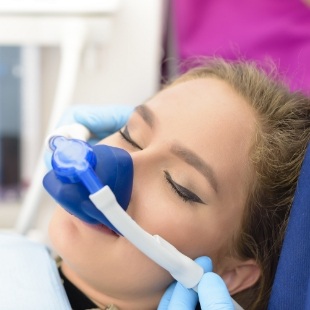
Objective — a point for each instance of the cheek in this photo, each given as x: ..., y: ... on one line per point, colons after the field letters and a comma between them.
x: 63, y: 234
x: 193, y: 231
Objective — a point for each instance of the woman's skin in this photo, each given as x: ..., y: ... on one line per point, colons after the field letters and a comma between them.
x: 195, y: 135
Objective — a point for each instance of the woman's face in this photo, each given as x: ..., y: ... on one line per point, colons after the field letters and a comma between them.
x: 190, y: 147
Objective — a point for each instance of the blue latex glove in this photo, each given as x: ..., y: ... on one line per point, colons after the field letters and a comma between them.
x: 100, y: 120
x: 212, y: 293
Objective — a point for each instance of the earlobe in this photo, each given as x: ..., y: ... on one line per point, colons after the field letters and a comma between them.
x: 242, y: 276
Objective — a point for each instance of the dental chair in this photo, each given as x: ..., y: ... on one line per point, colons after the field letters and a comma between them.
x: 291, y: 287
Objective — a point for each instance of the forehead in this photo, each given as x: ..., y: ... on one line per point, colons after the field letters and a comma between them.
x: 203, y: 103
x: 203, y: 93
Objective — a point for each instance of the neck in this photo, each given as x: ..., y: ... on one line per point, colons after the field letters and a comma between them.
x: 103, y: 300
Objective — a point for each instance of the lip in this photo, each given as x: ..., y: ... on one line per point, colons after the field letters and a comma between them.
x: 101, y: 228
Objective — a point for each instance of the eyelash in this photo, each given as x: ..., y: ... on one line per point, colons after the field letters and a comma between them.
x: 185, y: 194
x: 128, y: 139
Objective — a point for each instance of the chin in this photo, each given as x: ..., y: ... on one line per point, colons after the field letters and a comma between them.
x: 62, y: 230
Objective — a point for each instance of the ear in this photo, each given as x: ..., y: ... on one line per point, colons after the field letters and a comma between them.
x: 240, y: 275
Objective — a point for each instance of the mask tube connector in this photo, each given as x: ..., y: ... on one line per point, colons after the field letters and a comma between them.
x: 73, y: 161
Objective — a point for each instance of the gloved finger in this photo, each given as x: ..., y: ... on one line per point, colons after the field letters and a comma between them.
x: 93, y: 140
x: 103, y: 120
x: 183, y: 298
x: 165, y: 300
x: 213, y: 293
x: 205, y: 262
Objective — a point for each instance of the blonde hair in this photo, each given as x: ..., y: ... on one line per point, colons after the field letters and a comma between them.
x: 283, y: 133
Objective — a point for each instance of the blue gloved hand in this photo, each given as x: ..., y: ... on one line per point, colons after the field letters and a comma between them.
x: 100, y: 120
x: 212, y: 293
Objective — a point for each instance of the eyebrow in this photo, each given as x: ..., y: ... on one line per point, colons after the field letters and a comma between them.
x: 146, y: 114
x: 194, y: 160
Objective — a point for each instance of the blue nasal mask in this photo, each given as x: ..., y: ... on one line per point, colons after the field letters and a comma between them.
x: 80, y: 170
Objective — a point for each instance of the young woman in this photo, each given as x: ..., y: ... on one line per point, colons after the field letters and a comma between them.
x: 216, y: 159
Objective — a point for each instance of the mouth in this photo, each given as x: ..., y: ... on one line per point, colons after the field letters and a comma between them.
x: 101, y: 228
x: 104, y: 229
x: 97, y: 227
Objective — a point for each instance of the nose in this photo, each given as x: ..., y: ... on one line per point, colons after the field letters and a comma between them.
x: 115, y: 169
x: 147, y: 164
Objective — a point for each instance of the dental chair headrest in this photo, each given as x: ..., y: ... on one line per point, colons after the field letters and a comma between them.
x: 291, y: 286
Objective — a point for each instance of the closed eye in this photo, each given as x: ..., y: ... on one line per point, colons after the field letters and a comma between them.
x: 126, y: 136
x: 184, y: 193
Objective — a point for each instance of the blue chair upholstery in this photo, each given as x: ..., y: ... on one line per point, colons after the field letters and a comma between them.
x: 291, y: 288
